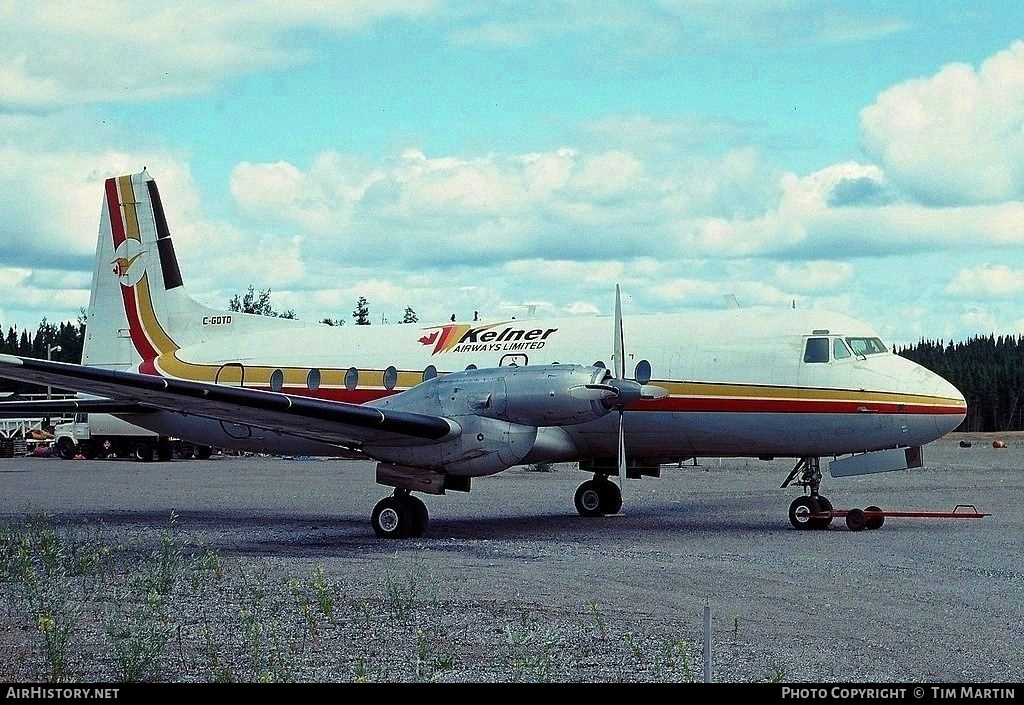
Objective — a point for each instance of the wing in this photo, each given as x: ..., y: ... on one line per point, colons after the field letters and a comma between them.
x: 345, y: 424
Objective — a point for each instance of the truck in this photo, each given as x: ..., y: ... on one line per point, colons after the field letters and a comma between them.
x: 105, y: 436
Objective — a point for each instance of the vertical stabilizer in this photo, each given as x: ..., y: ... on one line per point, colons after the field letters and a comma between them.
x: 138, y: 308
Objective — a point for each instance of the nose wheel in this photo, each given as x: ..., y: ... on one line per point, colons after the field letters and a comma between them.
x: 810, y: 512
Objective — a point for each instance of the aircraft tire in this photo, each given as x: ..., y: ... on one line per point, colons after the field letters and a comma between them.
x: 875, y: 517
x: 588, y: 499
x: 800, y: 511
x: 420, y: 518
x: 823, y: 506
x: 203, y: 452
x: 856, y: 520
x: 391, y: 518
x: 611, y: 497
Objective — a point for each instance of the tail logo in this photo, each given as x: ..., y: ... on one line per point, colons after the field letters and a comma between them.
x: 125, y: 265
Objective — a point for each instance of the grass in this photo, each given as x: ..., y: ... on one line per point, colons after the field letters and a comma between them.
x: 89, y: 608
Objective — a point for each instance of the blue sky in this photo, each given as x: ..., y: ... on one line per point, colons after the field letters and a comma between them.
x: 461, y: 156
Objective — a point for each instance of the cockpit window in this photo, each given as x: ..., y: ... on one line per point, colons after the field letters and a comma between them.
x: 816, y: 350
x: 839, y: 349
x: 866, y: 346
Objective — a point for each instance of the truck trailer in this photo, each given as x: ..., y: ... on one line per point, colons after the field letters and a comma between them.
x: 107, y: 436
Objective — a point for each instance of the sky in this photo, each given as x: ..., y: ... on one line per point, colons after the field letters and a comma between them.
x: 454, y: 156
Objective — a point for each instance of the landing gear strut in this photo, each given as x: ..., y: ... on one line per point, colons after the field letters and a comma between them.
x: 402, y: 515
x: 803, y: 509
x: 598, y: 497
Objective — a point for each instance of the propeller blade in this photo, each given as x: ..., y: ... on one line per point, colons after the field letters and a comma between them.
x: 620, y: 361
x: 620, y: 374
x: 622, y: 456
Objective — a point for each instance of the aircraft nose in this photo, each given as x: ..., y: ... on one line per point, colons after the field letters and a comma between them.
x: 949, y: 405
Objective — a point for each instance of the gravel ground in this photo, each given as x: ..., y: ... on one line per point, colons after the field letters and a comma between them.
x: 266, y: 569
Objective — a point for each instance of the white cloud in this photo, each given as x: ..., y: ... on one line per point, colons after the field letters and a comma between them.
x: 987, y: 282
x: 954, y: 138
x: 59, y: 54
x: 814, y: 276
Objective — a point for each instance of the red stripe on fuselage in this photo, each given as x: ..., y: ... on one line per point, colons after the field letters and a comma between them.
x: 694, y: 405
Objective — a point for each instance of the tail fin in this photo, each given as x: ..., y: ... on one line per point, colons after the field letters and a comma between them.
x: 138, y: 309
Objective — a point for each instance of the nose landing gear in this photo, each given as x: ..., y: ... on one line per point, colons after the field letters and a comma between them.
x: 811, y: 511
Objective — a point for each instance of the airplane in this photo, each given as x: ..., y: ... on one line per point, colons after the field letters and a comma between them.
x: 440, y: 404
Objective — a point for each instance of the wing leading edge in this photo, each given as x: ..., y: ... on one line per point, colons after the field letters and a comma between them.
x: 331, y: 421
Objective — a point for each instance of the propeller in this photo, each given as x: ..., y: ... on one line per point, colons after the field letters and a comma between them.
x: 615, y: 391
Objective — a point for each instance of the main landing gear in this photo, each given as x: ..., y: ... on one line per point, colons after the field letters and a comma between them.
x: 598, y: 497
x: 402, y: 515
x: 811, y: 511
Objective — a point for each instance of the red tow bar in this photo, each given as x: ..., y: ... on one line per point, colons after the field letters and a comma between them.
x: 874, y: 517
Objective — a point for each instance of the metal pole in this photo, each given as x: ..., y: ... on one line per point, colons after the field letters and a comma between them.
x: 707, y: 643
x: 50, y: 349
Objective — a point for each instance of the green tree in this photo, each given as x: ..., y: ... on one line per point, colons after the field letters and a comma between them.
x: 258, y: 304
x: 362, y: 312
x: 410, y: 315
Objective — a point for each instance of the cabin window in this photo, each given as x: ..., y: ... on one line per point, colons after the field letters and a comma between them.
x: 429, y: 373
x: 642, y: 374
x: 866, y: 346
x: 839, y: 349
x: 277, y: 381
x: 390, y: 377
x: 816, y: 350
x: 351, y: 379
x: 313, y: 380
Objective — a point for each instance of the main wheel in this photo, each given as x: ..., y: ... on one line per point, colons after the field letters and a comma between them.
x: 391, y: 518
x: 611, y: 497
x: 203, y: 452
x: 66, y: 449
x: 418, y: 515
x: 800, y: 512
x: 875, y: 517
x: 588, y: 499
x: 856, y: 520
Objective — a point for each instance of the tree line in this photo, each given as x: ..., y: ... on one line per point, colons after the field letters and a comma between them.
x: 259, y: 303
x: 989, y: 370
x: 61, y: 341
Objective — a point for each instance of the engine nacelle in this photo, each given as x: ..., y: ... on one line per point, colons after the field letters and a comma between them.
x: 498, y: 411
x: 536, y: 395
x: 484, y: 446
